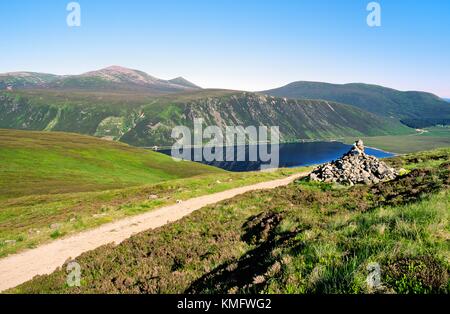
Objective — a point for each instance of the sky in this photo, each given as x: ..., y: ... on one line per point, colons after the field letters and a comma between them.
x: 246, y: 45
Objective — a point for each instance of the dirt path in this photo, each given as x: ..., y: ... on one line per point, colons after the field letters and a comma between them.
x: 21, y: 267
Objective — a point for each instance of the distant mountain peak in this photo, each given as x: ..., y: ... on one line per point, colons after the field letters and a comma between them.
x: 413, y: 108
x: 118, y: 73
x: 19, y: 74
x: 183, y: 82
x: 112, y: 78
x: 118, y: 68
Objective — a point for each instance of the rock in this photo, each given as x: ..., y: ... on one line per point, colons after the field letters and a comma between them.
x: 152, y: 197
x: 55, y: 226
x: 359, y: 145
x: 33, y: 231
x: 12, y: 242
x: 179, y: 201
x: 354, y: 167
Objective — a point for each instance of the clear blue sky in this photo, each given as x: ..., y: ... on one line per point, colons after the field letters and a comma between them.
x: 246, y: 44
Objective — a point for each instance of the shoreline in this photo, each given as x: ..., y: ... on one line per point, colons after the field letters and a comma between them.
x: 382, y: 150
x: 312, y: 164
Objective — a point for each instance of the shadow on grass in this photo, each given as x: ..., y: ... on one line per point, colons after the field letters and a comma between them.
x: 247, y: 273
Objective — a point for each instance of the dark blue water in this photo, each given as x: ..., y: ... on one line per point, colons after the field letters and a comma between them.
x: 290, y: 155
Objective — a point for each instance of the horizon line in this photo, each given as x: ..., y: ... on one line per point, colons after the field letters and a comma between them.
x: 240, y: 89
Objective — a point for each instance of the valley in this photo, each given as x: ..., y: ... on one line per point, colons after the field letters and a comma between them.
x: 76, y: 174
x: 136, y: 108
x: 223, y: 156
x: 426, y: 139
x: 142, y: 119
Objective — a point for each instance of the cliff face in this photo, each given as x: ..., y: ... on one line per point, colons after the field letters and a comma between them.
x: 148, y: 120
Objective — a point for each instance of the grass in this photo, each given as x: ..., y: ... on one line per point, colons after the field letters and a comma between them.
x: 36, y: 163
x: 56, y: 184
x: 303, y: 238
x: 432, y: 138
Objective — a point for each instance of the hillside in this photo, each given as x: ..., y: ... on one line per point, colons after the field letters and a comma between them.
x: 302, y: 238
x: 21, y: 80
x: 142, y: 119
x: 54, y: 184
x: 415, y: 109
x: 112, y: 78
x: 53, y: 162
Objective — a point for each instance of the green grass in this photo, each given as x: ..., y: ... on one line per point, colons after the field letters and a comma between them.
x: 36, y: 163
x: 142, y: 119
x: 55, y: 184
x: 433, y: 138
x: 437, y: 131
x: 303, y: 238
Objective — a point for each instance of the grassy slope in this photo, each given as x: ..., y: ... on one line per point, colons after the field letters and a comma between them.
x: 146, y: 120
x: 376, y: 99
x: 432, y: 138
x: 50, y: 163
x: 75, y: 182
x: 303, y: 238
x: 296, y: 119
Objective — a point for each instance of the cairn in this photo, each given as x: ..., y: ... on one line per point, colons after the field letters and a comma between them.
x: 355, y: 167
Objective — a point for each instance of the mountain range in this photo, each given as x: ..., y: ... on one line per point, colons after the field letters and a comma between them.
x: 134, y: 107
x: 112, y: 78
x: 147, y: 120
x: 411, y: 107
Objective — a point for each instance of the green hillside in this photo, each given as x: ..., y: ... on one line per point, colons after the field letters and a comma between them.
x: 54, y: 162
x: 54, y: 184
x: 302, y: 238
x: 142, y: 119
x: 417, y: 109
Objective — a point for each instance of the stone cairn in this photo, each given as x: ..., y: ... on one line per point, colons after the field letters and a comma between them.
x: 355, y: 167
